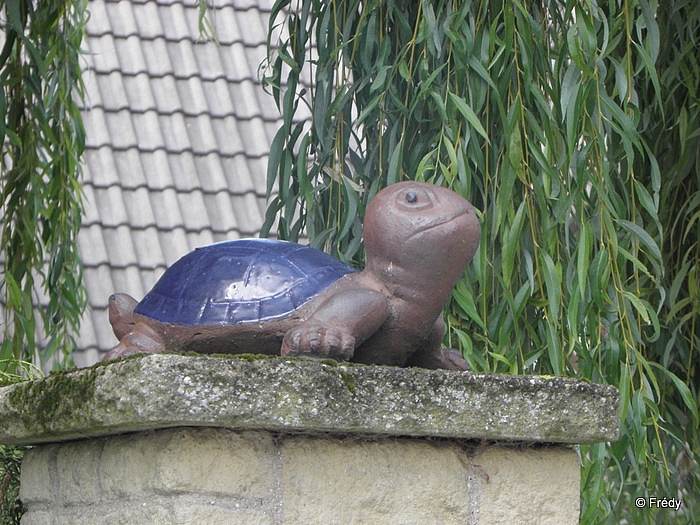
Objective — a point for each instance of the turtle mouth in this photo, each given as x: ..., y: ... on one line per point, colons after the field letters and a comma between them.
x: 438, y: 223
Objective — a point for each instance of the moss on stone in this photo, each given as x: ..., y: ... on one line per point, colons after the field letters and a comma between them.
x: 349, y: 381
x: 56, y: 397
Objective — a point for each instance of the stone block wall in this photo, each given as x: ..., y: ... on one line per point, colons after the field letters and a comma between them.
x: 219, y: 476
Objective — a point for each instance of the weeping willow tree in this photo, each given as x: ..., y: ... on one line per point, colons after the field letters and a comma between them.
x: 574, y: 128
x: 41, y: 141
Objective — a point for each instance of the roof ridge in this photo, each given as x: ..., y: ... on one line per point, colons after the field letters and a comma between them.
x: 154, y: 189
x: 183, y: 112
x: 171, y: 40
x: 188, y: 149
x: 153, y: 225
x: 160, y: 76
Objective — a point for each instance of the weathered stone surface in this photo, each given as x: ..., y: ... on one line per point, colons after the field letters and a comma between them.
x: 195, y: 476
x: 158, y: 391
x: 536, y: 485
x: 386, y: 481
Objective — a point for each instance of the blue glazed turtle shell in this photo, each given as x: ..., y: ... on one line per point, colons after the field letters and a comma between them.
x: 242, y: 281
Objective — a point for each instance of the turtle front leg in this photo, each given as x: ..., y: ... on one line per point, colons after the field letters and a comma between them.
x: 141, y: 340
x: 340, y: 325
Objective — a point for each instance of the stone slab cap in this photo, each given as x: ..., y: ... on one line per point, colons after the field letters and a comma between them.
x: 299, y: 395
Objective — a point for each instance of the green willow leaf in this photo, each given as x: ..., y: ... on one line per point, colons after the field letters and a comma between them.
x: 512, y: 243
x: 583, y: 256
x: 394, y: 173
x: 469, y: 114
x: 465, y: 299
x: 273, y: 163
x: 552, y: 279
x: 646, y: 240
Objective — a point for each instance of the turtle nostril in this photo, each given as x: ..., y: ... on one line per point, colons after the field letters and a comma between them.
x: 411, y: 197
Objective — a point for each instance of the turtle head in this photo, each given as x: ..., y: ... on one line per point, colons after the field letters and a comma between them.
x: 420, y: 234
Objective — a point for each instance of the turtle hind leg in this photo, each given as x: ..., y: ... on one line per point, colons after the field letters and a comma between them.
x: 142, y: 339
x: 440, y: 358
x: 433, y: 356
x: 452, y: 359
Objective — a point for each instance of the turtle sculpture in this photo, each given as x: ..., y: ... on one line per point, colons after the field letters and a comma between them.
x: 276, y: 297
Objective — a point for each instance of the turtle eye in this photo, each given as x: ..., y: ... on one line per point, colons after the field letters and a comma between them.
x: 414, y: 199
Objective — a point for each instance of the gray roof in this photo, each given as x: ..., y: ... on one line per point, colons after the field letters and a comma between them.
x: 178, y: 134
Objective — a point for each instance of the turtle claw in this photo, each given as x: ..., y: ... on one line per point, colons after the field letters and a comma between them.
x: 315, y: 340
x: 120, y: 351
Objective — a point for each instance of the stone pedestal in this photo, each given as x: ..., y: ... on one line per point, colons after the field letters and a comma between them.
x: 195, y: 440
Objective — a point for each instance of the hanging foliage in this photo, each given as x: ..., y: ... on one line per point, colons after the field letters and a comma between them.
x: 42, y: 140
x: 574, y: 128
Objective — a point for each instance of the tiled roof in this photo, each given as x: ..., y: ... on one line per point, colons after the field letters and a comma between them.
x: 178, y: 133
